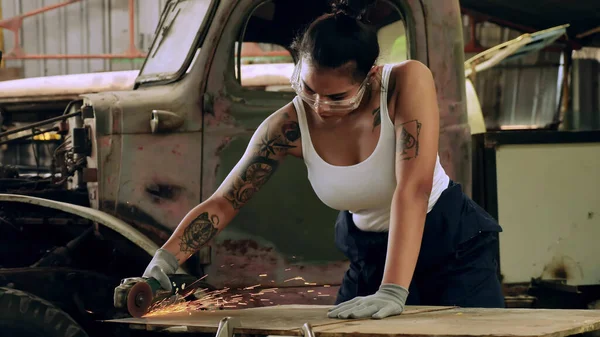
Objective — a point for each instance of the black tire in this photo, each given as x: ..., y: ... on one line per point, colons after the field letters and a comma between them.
x: 25, y: 315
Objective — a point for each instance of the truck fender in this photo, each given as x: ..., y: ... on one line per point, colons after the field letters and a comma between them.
x: 105, y: 219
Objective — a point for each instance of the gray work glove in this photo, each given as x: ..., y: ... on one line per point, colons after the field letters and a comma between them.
x: 387, y: 301
x: 162, y: 264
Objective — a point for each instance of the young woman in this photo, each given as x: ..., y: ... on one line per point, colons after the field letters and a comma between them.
x: 369, y: 137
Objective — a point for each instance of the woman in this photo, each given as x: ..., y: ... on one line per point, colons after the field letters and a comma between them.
x: 369, y: 138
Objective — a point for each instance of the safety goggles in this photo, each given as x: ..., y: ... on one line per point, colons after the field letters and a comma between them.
x: 315, y: 101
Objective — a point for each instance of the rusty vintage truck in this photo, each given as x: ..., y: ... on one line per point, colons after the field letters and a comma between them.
x: 98, y: 169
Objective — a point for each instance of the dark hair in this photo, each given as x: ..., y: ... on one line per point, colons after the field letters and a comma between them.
x: 337, y: 38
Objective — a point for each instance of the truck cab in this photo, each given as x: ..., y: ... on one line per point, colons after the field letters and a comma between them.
x: 132, y: 162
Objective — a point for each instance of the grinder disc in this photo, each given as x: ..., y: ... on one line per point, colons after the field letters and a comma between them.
x: 139, y: 299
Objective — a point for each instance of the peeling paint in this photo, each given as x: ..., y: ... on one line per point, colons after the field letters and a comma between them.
x: 160, y: 193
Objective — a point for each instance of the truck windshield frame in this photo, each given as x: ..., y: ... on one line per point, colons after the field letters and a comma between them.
x: 165, y: 64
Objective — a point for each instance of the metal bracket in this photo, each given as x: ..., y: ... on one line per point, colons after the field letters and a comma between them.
x: 307, y: 330
x: 226, y: 326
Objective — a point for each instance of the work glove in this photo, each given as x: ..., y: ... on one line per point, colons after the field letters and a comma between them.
x: 387, y: 301
x: 162, y: 264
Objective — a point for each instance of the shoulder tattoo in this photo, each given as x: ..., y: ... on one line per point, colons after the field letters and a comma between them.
x: 376, y: 117
x: 407, y: 142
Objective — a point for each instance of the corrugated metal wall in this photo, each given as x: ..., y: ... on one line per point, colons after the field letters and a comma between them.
x: 86, y: 27
x: 520, y: 92
x: 585, y: 95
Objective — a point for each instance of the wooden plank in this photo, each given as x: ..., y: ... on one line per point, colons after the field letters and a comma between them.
x: 273, y: 320
x: 414, y: 322
x: 473, y: 322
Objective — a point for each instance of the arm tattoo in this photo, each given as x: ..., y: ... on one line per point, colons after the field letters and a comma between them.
x: 407, y: 144
x: 257, y: 173
x: 376, y: 117
x: 271, y: 145
x: 291, y: 131
x: 261, y: 167
x: 199, y: 232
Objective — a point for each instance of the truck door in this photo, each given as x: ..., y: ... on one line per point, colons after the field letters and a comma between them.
x: 285, y: 231
x: 148, y: 148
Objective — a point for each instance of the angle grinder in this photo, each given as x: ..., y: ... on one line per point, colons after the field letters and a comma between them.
x: 139, y: 294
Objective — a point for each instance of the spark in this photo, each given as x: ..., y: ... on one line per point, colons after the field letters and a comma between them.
x: 210, y: 300
x: 299, y: 278
x: 222, y: 299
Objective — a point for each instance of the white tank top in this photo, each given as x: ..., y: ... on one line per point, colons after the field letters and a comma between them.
x: 365, y: 189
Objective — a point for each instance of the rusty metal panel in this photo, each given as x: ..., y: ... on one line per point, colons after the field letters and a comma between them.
x: 85, y: 27
x: 439, y: 44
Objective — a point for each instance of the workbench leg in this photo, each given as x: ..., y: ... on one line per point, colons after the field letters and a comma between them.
x: 226, y: 326
x: 307, y: 330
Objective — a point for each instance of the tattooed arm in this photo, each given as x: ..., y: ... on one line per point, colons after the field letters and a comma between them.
x: 417, y: 131
x: 276, y: 137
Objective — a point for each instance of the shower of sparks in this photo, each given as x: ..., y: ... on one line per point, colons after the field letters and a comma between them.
x: 221, y: 299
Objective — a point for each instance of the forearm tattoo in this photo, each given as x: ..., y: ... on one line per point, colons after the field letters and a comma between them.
x: 199, y: 232
x: 407, y: 144
x: 262, y: 165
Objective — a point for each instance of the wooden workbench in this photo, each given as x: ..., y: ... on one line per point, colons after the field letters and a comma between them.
x: 415, y: 321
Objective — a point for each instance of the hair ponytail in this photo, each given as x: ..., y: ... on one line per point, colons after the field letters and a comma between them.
x: 341, y: 38
x: 355, y: 9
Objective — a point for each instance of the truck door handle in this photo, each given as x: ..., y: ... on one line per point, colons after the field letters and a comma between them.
x: 165, y: 121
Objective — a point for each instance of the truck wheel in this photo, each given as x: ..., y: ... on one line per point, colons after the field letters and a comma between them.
x: 23, y: 314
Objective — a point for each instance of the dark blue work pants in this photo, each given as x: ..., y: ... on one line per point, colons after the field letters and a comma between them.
x: 457, y: 264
